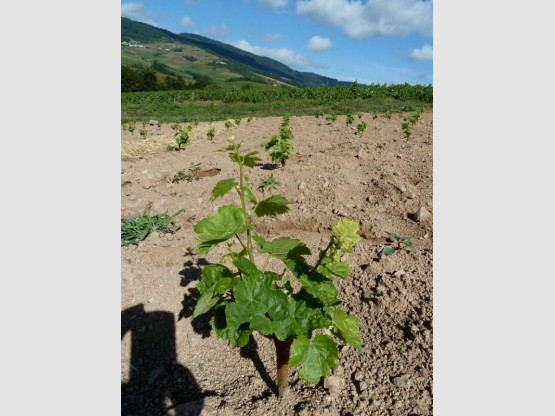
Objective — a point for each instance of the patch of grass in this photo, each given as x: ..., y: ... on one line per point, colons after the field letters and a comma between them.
x: 268, y: 184
x: 217, y: 110
x: 190, y: 176
x: 134, y: 230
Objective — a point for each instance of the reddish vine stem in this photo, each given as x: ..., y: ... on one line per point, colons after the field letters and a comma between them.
x: 283, y: 352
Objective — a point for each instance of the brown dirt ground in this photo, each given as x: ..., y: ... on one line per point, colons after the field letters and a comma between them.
x: 172, y: 364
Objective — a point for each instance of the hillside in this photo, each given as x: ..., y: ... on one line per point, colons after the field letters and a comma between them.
x: 190, y: 55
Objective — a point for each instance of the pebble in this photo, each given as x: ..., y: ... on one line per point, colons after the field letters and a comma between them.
x: 399, y: 273
x: 401, y: 381
x: 359, y: 375
x: 421, y: 214
x: 301, y: 186
x: 334, y: 385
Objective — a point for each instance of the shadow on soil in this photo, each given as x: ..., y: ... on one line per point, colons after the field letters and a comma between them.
x: 192, y: 271
x: 157, y: 382
x: 268, y: 166
x: 250, y: 351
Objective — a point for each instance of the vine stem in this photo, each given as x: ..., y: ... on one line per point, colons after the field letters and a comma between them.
x: 244, y: 206
x: 283, y: 352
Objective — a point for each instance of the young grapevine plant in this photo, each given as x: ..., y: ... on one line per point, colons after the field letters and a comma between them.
x: 247, y: 297
x: 405, y: 240
x: 282, y: 144
x: 361, y: 127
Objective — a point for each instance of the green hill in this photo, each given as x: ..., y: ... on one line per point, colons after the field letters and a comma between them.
x: 191, y: 56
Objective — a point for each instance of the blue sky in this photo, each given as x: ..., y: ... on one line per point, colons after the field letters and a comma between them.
x: 372, y: 41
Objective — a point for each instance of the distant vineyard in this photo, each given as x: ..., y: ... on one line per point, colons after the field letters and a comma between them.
x: 265, y: 95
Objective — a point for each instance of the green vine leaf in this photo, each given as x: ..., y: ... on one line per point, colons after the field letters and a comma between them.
x: 283, y: 248
x: 387, y: 250
x: 347, y: 233
x: 250, y: 196
x: 346, y: 328
x: 222, y: 188
x: 330, y: 268
x: 316, y: 357
x: 272, y: 206
x: 218, y: 227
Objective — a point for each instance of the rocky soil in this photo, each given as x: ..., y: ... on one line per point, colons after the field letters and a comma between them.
x: 172, y: 364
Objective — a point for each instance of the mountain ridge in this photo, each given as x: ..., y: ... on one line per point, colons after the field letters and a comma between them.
x: 242, y: 61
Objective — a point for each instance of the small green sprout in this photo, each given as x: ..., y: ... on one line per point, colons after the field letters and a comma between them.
x: 268, y: 184
x: 190, y: 176
x: 361, y: 127
x: 401, y: 240
x: 211, y: 133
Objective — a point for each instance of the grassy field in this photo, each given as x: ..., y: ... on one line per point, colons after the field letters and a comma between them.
x: 217, y: 110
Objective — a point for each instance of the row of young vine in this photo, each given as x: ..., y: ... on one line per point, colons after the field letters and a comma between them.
x: 263, y: 95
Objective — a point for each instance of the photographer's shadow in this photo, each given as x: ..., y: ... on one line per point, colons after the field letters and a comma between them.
x: 157, y: 382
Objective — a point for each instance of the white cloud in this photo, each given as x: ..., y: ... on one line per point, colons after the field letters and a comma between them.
x: 426, y: 53
x: 375, y: 18
x: 220, y: 30
x: 269, y: 37
x: 186, y: 21
x: 274, y: 3
x: 283, y: 55
x: 136, y: 11
x: 318, y: 44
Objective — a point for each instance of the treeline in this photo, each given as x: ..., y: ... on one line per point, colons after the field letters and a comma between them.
x: 404, y: 92
x: 135, y: 79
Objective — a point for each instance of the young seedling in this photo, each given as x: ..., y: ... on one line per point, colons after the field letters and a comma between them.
x: 159, y: 125
x: 359, y: 115
x: 320, y: 113
x: 134, y: 230
x: 268, y: 184
x: 171, y: 148
x: 228, y: 125
x: 282, y: 144
x: 407, y: 128
x: 247, y: 297
x: 331, y: 118
x: 190, y: 176
x: 361, y: 127
x: 132, y: 127
x: 249, y: 119
x: 211, y: 133
x: 388, y: 114
x: 349, y: 119
x: 182, y: 137
x: 237, y: 122
x: 374, y: 114
x: 401, y: 240
x: 414, y: 117
x: 143, y: 133
x: 195, y: 122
